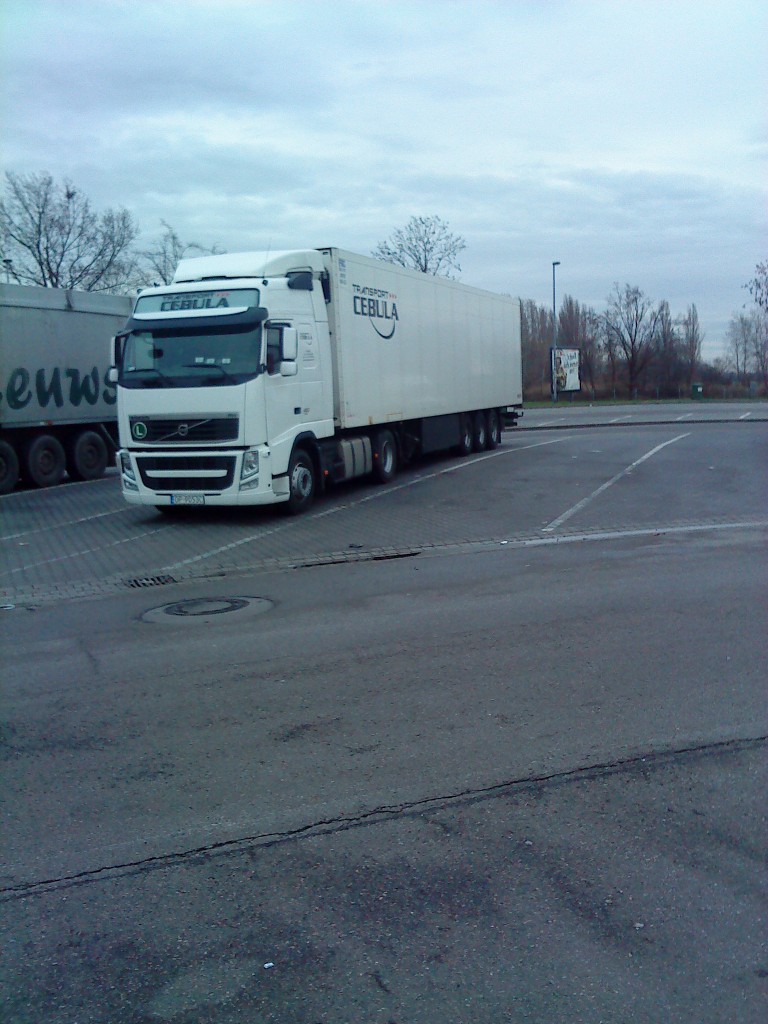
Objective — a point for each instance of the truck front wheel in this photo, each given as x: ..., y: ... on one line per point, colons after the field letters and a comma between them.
x: 45, y: 461
x: 385, y: 456
x: 301, y: 481
x: 87, y: 456
x: 9, y: 468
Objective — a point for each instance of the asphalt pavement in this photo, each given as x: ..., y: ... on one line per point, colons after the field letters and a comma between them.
x: 484, y: 745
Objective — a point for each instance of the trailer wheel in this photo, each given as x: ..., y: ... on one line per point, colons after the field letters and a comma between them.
x: 465, y: 434
x: 384, y: 456
x: 87, y: 456
x: 45, y: 461
x: 9, y: 468
x: 302, y: 481
x: 493, y: 429
x: 479, y: 432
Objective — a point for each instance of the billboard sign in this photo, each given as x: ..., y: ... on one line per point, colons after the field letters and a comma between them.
x: 565, y: 369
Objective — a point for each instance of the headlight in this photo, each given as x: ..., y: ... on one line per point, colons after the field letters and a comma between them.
x: 249, y: 474
x: 126, y: 469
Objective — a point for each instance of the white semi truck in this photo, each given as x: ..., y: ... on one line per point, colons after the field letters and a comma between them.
x: 57, y: 404
x: 257, y: 378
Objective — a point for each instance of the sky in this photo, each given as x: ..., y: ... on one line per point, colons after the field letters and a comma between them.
x: 627, y: 140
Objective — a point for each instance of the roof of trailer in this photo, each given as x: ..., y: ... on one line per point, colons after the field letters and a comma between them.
x: 248, y: 264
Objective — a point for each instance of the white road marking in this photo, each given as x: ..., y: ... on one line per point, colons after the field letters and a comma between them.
x: 685, y: 416
x: 609, y: 483
x: 647, y: 531
x: 282, y: 526
x: 79, y: 554
x: 618, y: 419
x: 361, y: 501
x: 745, y: 416
x: 58, y: 526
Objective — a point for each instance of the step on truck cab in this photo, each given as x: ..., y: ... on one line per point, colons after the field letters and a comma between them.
x: 259, y: 378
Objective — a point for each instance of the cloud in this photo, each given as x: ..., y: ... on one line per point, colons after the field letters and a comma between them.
x: 628, y: 141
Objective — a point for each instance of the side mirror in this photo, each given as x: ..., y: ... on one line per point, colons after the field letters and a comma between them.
x: 290, y: 344
x: 289, y: 369
x: 112, y: 373
x: 118, y: 343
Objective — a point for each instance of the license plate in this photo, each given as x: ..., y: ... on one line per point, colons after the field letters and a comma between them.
x: 187, y: 499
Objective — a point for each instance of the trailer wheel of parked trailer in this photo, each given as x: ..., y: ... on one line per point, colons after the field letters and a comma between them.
x: 9, y: 468
x: 479, y: 432
x: 87, y: 456
x: 465, y: 434
x: 301, y: 481
x: 493, y: 429
x: 384, y: 456
x: 44, y: 461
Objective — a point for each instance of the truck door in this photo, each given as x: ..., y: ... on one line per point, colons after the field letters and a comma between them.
x: 282, y: 386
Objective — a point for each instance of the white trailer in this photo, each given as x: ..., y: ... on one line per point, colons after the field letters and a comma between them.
x: 257, y: 378
x: 57, y: 402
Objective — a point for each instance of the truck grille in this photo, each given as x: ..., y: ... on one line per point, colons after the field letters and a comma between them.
x: 209, y: 473
x: 187, y: 430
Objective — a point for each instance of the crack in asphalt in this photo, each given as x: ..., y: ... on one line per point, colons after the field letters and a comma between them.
x: 374, y: 816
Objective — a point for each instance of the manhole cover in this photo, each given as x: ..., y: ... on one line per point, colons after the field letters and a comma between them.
x: 204, y: 609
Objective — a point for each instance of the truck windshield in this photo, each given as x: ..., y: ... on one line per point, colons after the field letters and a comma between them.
x: 191, y: 356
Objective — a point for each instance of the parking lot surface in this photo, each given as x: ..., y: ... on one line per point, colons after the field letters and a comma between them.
x: 486, y: 744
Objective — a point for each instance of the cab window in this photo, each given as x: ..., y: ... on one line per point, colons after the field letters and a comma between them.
x: 274, y: 335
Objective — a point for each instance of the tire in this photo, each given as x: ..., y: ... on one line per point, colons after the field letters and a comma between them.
x: 465, y: 434
x: 302, y: 482
x: 493, y: 429
x: 384, y: 456
x: 9, y: 468
x: 45, y: 461
x: 479, y: 432
x: 87, y: 456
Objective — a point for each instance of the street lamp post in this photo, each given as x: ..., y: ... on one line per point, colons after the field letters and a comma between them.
x: 556, y: 263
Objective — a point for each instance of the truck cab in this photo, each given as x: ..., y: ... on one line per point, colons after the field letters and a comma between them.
x: 219, y: 375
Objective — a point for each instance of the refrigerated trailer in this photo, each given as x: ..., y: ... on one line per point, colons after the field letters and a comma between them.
x: 57, y: 403
x: 258, y: 378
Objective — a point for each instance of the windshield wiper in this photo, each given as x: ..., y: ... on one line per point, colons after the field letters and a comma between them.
x: 151, y: 369
x: 210, y: 366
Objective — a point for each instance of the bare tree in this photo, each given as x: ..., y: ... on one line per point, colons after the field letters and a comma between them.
x: 51, y: 236
x: 741, y: 343
x: 760, y: 347
x: 691, y: 343
x: 667, y: 355
x: 758, y: 286
x: 425, y: 244
x: 579, y: 327
x: 159, y: 261
x: 630, y: 325
x: 536, y: 338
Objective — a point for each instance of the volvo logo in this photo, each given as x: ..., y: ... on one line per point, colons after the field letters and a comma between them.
x: 139, y: 430
x: 183, y: 429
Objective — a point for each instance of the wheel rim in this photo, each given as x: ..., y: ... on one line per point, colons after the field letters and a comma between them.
x: 89, y: 457
x: 493, y: 427
x: 301, y: 481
